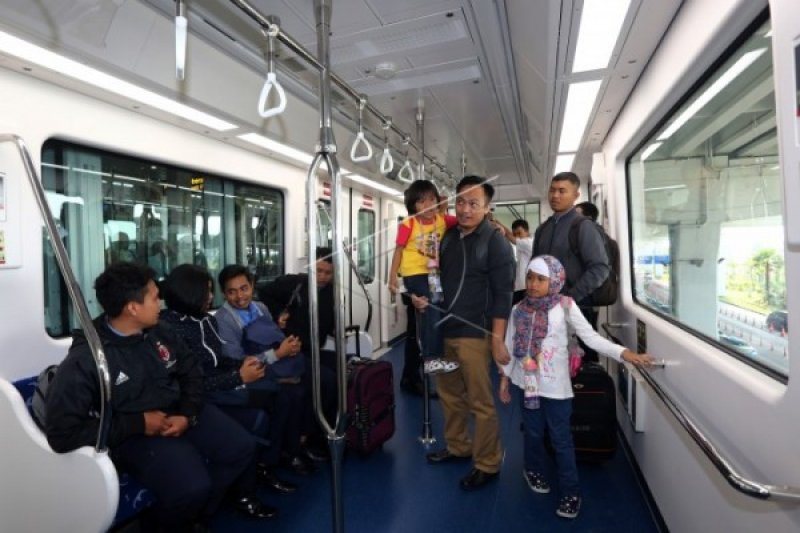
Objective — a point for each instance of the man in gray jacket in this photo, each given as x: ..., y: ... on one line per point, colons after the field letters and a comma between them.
x: 587, y: 269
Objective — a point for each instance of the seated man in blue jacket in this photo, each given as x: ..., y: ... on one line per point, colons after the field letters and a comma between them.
x: 185, y: 452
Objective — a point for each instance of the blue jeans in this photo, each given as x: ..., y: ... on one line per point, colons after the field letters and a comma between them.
x: 555, y: 415
x: 428, y: 331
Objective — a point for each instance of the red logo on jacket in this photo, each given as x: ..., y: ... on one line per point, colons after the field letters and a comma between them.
x: 163, y: 352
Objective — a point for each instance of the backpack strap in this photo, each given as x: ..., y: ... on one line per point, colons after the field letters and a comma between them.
x: 573, y: 235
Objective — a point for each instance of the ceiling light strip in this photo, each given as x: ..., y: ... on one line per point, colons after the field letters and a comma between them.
x: 601, y: 22
x: 580, y: 102
x: 42, y: 57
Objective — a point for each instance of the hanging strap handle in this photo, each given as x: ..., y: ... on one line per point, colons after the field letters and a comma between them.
x: 360, y: 139
x: 406, y: 173
x: 271, y: 81
x: 387, y: 162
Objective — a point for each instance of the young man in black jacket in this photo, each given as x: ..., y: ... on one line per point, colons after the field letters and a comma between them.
x: 185, y: 452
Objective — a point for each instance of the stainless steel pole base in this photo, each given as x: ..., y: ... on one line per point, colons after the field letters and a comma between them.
x: 336, y: 445
x: 427, y: 438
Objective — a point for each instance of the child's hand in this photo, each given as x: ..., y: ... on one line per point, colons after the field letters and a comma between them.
x: 504, y: 393
x: 393, y: 285
x: 638, y: 359
x: 420, y: 302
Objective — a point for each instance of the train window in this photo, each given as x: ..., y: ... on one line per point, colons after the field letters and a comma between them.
x: 324, y: 224
x: 112, y: 207
x: 366, y: 245
x: 508, y: 213
x: 706, y: 201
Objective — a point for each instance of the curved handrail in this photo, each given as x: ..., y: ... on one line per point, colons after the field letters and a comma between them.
x: 73, y: 289
x: 360, y: 279
x: 761, y: 491
x: 272, y: 80
x: 354, y: 269
x: 326, y: 152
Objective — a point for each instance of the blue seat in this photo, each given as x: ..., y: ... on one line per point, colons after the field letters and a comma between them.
x: 133, y: 497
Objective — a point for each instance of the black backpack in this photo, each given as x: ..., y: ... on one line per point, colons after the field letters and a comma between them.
x: 38, y: 411
x: 605, y: 294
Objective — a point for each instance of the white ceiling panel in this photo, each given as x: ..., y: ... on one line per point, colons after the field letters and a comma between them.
x: 390, y: 11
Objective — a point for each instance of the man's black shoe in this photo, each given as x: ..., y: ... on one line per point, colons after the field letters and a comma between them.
x: 267, y: 477
x: 299, y: 465
x: 444, y: 456
x: 477, y: 479
x: 252, y: 508
x: 318, y: 454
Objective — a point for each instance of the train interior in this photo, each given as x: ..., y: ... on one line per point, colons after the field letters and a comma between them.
x: 682, y: 119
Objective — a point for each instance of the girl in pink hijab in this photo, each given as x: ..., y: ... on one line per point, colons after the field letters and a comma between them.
x: 538, y: 340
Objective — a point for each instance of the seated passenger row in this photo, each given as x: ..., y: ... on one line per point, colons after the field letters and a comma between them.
x: 203, y: 407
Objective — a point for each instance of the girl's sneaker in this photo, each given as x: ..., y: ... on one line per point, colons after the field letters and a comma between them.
x: 569, y: 506
x: 439, y: 366
x: 536, y: 482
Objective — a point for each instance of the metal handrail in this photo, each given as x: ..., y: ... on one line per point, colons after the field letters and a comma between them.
x: 359, y: 277
x: 301, y: 51
x: 74, y: 290
x: 761, y: 491
x: 326, y: 152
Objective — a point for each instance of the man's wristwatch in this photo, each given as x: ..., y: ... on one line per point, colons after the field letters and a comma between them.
x: 192, y: 420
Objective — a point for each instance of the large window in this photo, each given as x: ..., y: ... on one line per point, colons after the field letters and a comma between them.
x: 112, y: 207
x: 508, y: 213
x: 706, y: 201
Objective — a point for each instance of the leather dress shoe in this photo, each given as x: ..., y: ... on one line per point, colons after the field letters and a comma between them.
x: 477, y: 479
x: 318, y: 454
x: 252, y: 508
x: 444, y: 456
x: 299, y: 465
x: 268, y: 478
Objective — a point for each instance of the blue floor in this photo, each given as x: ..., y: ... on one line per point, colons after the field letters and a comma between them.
x: 395, y: 490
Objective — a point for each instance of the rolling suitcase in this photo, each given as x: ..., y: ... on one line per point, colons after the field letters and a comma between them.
x: 370, y: 404
x: 594, y: 414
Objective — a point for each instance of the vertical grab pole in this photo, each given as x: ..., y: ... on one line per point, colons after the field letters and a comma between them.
x: 426, y: 438
x: 326, y: 152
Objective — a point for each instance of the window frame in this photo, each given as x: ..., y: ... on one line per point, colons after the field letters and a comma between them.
x: 712, y: 70
x: 61, y: 144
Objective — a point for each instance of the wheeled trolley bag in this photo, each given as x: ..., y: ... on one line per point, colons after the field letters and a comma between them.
x: 370, y: 404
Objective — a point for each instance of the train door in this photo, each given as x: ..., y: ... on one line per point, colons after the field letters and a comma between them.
x: 393, y: 311
x: 364, y: 240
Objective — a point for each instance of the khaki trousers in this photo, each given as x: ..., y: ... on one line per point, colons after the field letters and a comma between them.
x: 468, y: 391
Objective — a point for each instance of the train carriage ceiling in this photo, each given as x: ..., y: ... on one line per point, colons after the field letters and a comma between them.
x: 493, y: 75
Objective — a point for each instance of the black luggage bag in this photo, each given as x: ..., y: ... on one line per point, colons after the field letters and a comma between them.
x: 370, y: 404
x: 594, y: 414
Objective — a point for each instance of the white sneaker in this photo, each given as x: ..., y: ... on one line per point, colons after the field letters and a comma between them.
x: 439, y: 366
